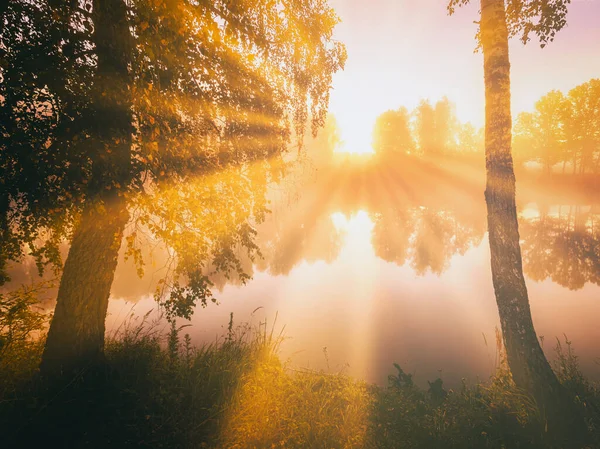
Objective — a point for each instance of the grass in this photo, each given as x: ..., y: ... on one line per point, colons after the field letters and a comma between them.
x: 157, y: 391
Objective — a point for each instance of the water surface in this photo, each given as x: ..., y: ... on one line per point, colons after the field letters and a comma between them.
x: 370, y: 266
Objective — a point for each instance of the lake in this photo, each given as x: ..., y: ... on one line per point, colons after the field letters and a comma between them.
x: 369, y: 264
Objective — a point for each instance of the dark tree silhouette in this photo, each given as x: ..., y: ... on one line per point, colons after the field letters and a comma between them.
x: 142, y: 114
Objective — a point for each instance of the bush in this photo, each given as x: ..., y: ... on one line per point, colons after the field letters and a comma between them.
x: 21, y: 336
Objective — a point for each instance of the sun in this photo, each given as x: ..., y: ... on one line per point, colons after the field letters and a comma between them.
x: 355, y: 132
x: 356, y: 139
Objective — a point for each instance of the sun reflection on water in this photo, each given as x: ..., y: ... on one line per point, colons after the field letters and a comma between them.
x: 361, y: 270
x: 357, y: 226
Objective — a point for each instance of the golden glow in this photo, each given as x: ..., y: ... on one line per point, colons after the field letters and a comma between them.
x: 360, y: 265
x: 358, y: 226
x: 355, y: 133
x: 530, y: 212
x: 269, y: 399
x: 402, y: 51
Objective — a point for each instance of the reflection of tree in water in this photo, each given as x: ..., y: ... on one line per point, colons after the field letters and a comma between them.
x: 414, y: 221
x: 423, y: 215
x: 439, y: 237
x: 314, y: 238
x: 285, y: 240
x: 564, y: 247
x: 392, y: 232
x: 426, y: 238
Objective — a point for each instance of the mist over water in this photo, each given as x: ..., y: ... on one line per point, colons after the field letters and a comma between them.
x: 364, y: 265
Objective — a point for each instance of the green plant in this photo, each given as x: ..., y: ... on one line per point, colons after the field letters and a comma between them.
x: 22, y: 325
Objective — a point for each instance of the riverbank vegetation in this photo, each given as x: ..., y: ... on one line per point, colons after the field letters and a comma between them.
x: 155, y: 389
x: 167, y: 125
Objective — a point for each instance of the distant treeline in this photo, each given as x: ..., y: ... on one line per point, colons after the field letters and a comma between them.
x: 428, y: 130
x: 563, y: 131
x: 561, y: 134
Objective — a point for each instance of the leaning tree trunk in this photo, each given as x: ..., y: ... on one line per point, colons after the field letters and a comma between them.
x: 528, y: 365
x: 76, y: 334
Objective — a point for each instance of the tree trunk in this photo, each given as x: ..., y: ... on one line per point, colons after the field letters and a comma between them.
x: 528, y: 365
x: 76, y: 334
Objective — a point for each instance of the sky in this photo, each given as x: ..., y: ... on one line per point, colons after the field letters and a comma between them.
x: 401, y: 51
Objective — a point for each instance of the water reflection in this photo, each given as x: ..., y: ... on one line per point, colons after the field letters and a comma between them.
x: 422, y: 216
x: 563, y: 244
x: 390, y: 263
x: 383, y: 264
x: 411, y: 224
x: 424, y: 238
x: 425, y: 231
